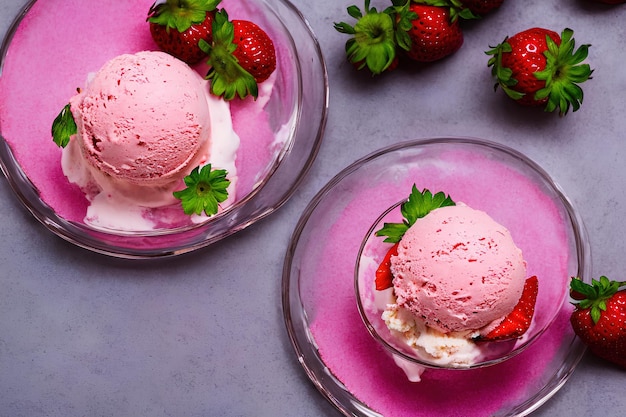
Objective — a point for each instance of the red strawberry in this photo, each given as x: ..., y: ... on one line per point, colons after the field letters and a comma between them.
x: 241, y: 55
x: 178, y: 25
x: 482, y: 7
x: 384, y: 277
x: 427, y: 33
x: 600, y: 318
x: 465, y: 9
x: 537, y: 67
x: 517, y: 322
x: 255, y: 50
x: 372, y: 45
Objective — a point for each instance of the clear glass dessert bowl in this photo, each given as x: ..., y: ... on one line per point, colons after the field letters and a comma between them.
x: 371, y: 303
x: 356, y: 372
x: 37, y: 80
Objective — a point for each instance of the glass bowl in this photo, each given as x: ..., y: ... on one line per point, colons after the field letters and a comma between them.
x: 371, y: 303
x: 37, y: 80
x: 357, y: 374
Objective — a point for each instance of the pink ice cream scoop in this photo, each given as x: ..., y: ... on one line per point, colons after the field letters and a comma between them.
x: 457, y: 269
x: 143, y: 119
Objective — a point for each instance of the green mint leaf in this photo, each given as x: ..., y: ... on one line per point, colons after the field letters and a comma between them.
x: 393, y: 231
x: 206, y: 188
x: 418, y: 205
x: 63, y: 127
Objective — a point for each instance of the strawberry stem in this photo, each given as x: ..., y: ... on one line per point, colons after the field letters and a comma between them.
x: 180, y: 14
x: 228, y: 77
x: 563, y: 73
x: 594, y: 296
x: 372, y: 44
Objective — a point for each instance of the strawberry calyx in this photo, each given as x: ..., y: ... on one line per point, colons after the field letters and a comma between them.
x: 228, y: 77
x: 562, y: 74
x: 180, y: 14
x: 456, y: 7
x: 373, y: 44
x: 404, y: 17
x: 595, y: 295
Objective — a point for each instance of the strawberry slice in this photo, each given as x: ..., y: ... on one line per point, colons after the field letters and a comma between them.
x: 384, y: 277
x: 518, y: 321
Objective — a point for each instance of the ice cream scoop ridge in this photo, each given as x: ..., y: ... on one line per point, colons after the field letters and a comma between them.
x: 144, y: 122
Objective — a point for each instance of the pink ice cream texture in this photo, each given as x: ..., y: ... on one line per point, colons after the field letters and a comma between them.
x: 143, y: 121
x: 458, y: 269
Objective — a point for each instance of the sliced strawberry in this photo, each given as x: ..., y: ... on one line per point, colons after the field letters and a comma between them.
x: 518, y: 321
x: 384, y: 277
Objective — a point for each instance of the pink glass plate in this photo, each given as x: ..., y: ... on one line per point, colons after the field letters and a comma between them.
x: 345, y: 363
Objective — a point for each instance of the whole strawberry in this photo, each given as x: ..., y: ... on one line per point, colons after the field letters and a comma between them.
x: 372, y: 45
x: 241, y: 55
x: 178, y: 25
x: 426, y: 33
x: 255, y: 50
x: 537, y: 67
x: 600, y: 317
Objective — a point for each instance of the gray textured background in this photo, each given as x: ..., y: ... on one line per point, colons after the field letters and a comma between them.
x: 87, y: 335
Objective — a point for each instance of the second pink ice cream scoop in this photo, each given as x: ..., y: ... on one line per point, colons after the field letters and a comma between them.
x: 457, y: 269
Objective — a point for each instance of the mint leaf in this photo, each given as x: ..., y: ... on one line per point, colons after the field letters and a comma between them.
x: 63, y: 127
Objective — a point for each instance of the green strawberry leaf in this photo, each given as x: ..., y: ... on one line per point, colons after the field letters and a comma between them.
x: 372, y: 43
x: 228, y: 78
x: 180, y: 14
x: 456, y: 8
x: 503, y: 75
x: 563, y: 72
x: 418, y: 205
x: 63, y: 127
x: 206, y: 188
x: 595, y: 295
